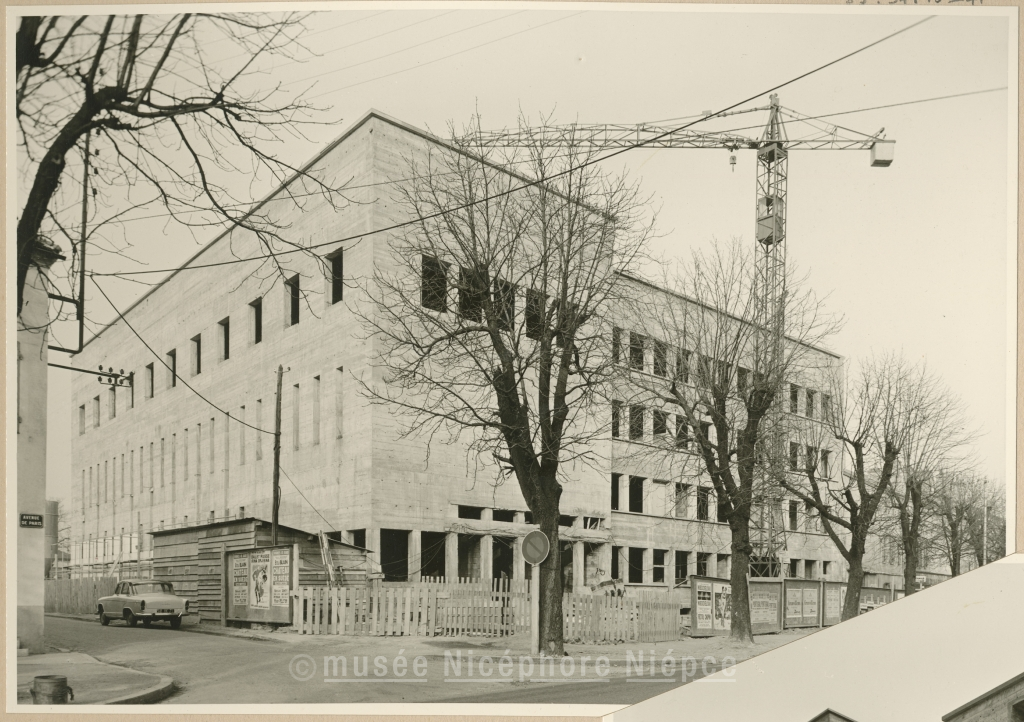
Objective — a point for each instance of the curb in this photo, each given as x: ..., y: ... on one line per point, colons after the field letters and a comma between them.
x: 162, y: 690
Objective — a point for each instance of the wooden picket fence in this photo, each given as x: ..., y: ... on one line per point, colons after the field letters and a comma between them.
x: 468, y: 607
x: 597, y: 618
x: 76, y: 596
x: 431, y: 607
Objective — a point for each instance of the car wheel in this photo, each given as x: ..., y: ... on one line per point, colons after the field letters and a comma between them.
x: 129, y: 616
x: 103, y: 619
x: 175, y: 622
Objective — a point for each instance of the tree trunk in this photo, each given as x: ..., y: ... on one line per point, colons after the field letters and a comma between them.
x: 909, y: 567
x: 551, y: 623
x: 954, y: 552
x: 739, y: 524
x: 851, y: 607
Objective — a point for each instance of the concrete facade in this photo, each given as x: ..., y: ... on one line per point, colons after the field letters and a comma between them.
x: 158, y: 456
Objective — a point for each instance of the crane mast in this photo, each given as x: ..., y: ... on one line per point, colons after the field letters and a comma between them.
x: 768, y: 535
x: 768, y: 532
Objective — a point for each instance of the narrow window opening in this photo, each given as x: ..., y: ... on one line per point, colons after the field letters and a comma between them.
x: 294, y: 294
x: 256, y: 315
x: 434, y: 284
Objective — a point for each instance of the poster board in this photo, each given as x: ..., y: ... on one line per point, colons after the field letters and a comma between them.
x: 832, y: 605
x: 766, y: 607
x: 710, y: 606
x: 803, y: 603
x: 258, y: 584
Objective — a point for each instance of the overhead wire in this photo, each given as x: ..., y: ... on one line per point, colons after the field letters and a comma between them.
x: 446, y: 57
x: 530, y: 184
x: 405, y: 49
x: 173, y: 371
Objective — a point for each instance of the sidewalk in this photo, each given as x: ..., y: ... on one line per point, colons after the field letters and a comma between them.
x: 92, y: 681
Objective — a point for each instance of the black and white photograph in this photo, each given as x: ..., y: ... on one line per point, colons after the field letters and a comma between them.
x: 490, y: 358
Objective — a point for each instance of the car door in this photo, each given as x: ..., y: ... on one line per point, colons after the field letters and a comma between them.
x: 129, y: 600
x: 110, y: 603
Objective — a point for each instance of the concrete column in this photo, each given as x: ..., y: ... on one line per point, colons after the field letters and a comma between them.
x: 487, y: 548
x: 670, y: 567
x: 691, y: 564
x: 415, y: 556
x: 451, y: 556
x: 604, y: 563
x: 373, y: 544
x: 518, y: 563
x: 579, y: 572
x: 624, y: 492
x: 648, y: 561
x: 486, y: 557
x: 712, y: 564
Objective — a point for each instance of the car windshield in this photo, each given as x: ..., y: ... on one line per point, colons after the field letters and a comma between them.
x: 153, y: 588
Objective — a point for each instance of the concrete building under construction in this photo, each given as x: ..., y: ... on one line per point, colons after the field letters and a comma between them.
x: 207, y: 342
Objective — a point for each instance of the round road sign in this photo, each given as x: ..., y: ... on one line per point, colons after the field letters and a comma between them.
x: 536, y: 547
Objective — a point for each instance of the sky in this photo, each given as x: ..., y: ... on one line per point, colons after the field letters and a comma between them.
x: 915, y: 257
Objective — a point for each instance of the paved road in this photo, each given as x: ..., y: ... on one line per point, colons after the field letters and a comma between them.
x: 217, y: 669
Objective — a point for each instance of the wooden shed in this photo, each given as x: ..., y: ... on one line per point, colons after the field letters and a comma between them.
x: 191, y: 558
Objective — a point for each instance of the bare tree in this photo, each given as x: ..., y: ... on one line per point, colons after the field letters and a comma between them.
x: 489, y: 316
x: 987, y: 527
x: 933, y: 454
x: 874, y: 418
x: 955, y: 505
x: 177, y: 108
x: 710, y: 368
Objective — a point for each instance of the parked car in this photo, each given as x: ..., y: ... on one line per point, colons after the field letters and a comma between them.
x: 145, y: 601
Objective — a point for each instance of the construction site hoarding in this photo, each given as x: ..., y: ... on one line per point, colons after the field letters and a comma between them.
x: 832, y: 607
x: 259, y: 584
x: 803, y: 603
x: 765, y: 604
x: 710, y: 606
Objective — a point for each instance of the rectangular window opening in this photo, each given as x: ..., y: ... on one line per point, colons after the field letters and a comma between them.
x: 337, y: 260
x: 225, y: 339
x: 636, y: 351
x: 197, y: 354
x: 636, y: 494
x: 473, y: 285
x: 256, y: 319
x: 636, y: 422
x: 294, y: 295
x: 703, y: 503
x: 434, y: 284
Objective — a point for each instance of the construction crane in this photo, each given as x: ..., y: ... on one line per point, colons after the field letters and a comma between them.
x: 773, y: 148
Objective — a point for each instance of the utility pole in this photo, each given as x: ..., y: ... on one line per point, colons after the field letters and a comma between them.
x: 277, y: 457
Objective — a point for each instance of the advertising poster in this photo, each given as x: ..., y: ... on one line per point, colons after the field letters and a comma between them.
x: 794, y: 604
x: 764, y: 606
x: 833, y: 607
x: 723, y: 606
x: 240, y: 580
x: 703, y: 605
x: 811, y: 603
x: 281, y: 571
x: 259, y: 576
